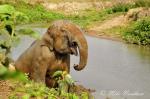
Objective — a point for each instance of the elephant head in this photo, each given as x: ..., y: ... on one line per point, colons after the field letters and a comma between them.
x: 65, y: 37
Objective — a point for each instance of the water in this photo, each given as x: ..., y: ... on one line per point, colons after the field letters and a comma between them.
x: 115, y: 70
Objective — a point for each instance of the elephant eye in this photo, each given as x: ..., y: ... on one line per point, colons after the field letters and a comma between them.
x: 74, y: 44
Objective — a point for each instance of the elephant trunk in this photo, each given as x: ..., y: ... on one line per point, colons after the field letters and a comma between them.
x: 83, y: 51
x: 77, y: 35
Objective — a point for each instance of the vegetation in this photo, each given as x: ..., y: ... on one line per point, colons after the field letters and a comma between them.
x: 142, y: 3
x: 8, y: 33
x: 138, y: 32
x: 25, y: 89
x: 120, y: 7
x: 36, y: 13
x: 88, y: 17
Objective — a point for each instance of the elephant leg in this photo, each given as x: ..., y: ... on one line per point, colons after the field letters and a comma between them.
x: 68, y: 63
x: 39, y: 71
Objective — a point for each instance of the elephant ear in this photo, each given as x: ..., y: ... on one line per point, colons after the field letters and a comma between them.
x: 47, y: 39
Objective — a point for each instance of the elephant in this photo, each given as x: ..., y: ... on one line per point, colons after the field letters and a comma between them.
x: 52, y: 52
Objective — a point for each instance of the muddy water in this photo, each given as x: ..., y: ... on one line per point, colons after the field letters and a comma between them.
x: 115, y: 70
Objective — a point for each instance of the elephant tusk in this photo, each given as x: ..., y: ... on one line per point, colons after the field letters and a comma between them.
x: 74, y: 51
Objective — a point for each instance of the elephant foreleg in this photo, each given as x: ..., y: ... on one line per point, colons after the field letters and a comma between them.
x: 39, y: 71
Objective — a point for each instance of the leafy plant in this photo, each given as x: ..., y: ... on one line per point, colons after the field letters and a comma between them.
x: 138, y: 32
x: 7, y: 74
x: 9, y: 37
x: 30, y: 89
x: 64, y: 80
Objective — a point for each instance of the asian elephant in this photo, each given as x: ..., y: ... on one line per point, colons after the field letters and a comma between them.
x: 52, y: 52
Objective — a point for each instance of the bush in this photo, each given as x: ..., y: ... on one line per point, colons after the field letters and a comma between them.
x: 119, y: 8
x: 9, y: 17
x: 138, y: 32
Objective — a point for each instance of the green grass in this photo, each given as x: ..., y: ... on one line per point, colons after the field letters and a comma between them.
x: 120, y: 7
x: 37, y: 13
x: 86, y: 18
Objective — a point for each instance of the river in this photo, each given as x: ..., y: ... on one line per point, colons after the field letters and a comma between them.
x: 115, y: 70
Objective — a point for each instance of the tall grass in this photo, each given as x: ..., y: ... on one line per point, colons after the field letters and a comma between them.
x: 142, y: 3
x: 120, y: 7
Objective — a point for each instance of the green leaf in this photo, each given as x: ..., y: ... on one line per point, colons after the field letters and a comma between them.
x: 7, y: 9
x: 69, y: 79
x: 58, y: 74
x: 3, y: 70
x: 4, y: 16
x: 84, y: 95
x: 27, y: 96
x: 21, y: 17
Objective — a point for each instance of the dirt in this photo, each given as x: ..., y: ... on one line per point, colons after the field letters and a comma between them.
x: 99, y: 29
x: 5, y: 89
x: 73, y: 7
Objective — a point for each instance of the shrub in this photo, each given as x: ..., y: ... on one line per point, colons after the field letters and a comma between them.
x: 138, y: 32
x: 9, y: 17
x: 119, y: 8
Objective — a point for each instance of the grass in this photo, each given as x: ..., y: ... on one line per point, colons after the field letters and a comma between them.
x: 120, y: 7
x: 87, y: 17
x: 37, y: 13
x: 114, y: 31
x: 142, y: 3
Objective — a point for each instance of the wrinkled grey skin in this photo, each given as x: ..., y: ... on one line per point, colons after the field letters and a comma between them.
x: 52, y: 52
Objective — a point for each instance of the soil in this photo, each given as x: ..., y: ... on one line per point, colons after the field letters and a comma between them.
x: 5, y: 89
x: 99, y: 29
x: 73, y: 7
